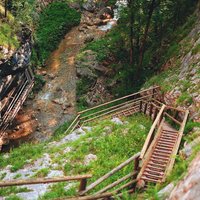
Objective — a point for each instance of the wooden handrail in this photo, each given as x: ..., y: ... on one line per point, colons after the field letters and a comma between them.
x: 115, y: 106
x: 178, y: 109
x: 110, y: 112
x: 130, y: 175
x: 113, y: 171
x: 74, y: 121
x: 44, y: 180
x: 131, y: 95
x: 172, y: 118
x: 149, y: 136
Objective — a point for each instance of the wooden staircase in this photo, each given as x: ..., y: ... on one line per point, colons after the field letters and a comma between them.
x: 159, y: 159
x: 15, y: 100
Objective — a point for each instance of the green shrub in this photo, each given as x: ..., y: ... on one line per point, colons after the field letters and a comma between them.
x: 53, y: 24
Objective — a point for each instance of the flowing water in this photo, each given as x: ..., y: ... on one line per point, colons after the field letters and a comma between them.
x: 120, y: 4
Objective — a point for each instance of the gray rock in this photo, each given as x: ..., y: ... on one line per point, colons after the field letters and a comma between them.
x: 55, y: 173
x: 36, y: 191
x: 87, y: 128
x: 117, y: 121
x: 188, y: 149
x: 189, y: 187
x: 166, y: 191
x: 67, y: 150
x: 89, y: 5
x: 108, y: 129
x: 89, y: 158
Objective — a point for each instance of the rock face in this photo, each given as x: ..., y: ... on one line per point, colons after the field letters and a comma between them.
x: 189, y: 187
x: 89, y: 5
x: 87, y: 64
x: 186, y: 87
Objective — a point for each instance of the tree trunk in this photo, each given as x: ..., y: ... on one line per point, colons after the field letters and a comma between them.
x: 6, y: 8
x: 131, y: 30
x: 142, y: 48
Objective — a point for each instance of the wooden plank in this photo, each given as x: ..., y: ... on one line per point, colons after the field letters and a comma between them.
x: 109, y: 174
x: 83, y: 184
x: 44, y: 180
x: 116, y: 182
x: 150, y: 134
x: 104, y: 195
x: 172, y: 118
x: 178, y: 109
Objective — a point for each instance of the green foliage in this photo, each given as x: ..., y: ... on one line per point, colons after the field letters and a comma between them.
x: 58, y: 191
x: 196, y: 49
x: 54, y: 22
x: 39, y: 82
x: 190, y: 125
x: 115, y: 142
x: 184, y: 98
x: 25, y: 11
x: 7, y: 36
x: 13, y: 197
x: 17, y: 157
x: 41, y: 173
x: 12, y: 190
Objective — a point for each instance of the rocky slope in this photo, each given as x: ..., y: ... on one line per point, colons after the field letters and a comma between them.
x: 180, y: 76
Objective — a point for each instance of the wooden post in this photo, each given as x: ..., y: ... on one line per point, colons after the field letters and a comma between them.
x: 136, y: 165
x: 155, y: 114
x: 83, y: 184
x: 145, y: 108
x: 140, y: 106
x: 150, y: 111
x: 6, y: 8
x: 153, y: 95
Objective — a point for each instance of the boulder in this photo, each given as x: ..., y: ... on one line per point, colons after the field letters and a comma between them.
x: 117, y: 121
x: 87, y: 64
x: 89, y: 158
x: 89, y: 5
x: 189, y: 187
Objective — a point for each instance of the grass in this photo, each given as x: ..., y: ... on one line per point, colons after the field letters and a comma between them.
x: 116, y: 142
x: 7, y: 36
x: 18, y: 157
x: 12, y: 190
x: 111, y: 143
x: 184, y: 98
x: 41, y: 173
x: 196, y: 49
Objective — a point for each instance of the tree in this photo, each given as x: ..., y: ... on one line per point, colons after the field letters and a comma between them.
x: 6, y: 8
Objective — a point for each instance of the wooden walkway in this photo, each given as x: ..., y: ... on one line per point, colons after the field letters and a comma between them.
x: 157, y: 156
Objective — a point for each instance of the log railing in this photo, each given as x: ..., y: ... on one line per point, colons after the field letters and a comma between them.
x: 152, y: 132
x: 132, y: 175
x: 114, y: 107
x: 81, y: 178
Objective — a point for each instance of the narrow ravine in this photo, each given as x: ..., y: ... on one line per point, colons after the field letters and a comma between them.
x: 56, y: 102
